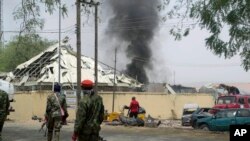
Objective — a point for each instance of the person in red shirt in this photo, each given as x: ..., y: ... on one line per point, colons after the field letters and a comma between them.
x: 134, y: 108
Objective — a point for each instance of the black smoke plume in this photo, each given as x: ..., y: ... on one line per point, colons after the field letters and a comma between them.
x: 135, y: 22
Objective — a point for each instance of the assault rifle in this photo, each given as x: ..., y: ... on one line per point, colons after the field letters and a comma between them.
x: 42, y: 126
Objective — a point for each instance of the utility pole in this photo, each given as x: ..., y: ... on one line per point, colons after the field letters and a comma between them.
x: 59, y: 46
x: 174, y: 77
x: 78, y: 46
x: 95, y: 4
x: 78, y: 38
x: 114, y: 85
x: 1, y: 25
x: 96, y: 47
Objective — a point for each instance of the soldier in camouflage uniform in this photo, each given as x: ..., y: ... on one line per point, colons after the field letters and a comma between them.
x: 55, y: 110
x: 89, y: 115
x: 4, y: 107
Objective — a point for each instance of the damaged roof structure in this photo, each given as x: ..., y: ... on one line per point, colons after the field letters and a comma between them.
x: 43, y: 69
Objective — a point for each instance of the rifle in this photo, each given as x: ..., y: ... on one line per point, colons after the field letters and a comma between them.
x: 42, y: 126
x: 46, y: 129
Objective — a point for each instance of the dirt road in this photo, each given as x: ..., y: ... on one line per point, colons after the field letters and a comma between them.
x: 29, y: 132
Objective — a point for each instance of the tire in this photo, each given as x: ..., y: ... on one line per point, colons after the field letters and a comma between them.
x: 194, y: 124
x: 182, y: 123
x: 204, y: 127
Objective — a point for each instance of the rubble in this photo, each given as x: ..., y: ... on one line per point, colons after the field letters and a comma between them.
x: 170, y: 123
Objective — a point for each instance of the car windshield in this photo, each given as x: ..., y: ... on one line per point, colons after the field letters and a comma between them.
x: 188, y: 111
x: 226, y: 100
x: 226, y: 114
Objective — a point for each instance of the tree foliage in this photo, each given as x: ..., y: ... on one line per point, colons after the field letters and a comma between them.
x: 21, y: 49
x: 29, y: 13
x: 216, y: 16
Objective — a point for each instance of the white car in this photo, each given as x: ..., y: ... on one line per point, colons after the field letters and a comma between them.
x: 188, y: 109
x: 8, y: 88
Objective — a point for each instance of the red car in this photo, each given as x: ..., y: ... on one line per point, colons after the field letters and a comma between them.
x: 233, y: 101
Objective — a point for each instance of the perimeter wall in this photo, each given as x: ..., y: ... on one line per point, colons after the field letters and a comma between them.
x: 158, y: 105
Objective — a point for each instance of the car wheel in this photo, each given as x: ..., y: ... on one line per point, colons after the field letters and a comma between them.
x: 204, y: 127
x: 182, y: 123
x: 194, y: 124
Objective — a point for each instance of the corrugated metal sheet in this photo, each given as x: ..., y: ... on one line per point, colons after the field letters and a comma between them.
x: 48, y: 71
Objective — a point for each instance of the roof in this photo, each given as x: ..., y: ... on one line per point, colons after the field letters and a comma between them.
x: 43, y: 68
x: 244, y: 88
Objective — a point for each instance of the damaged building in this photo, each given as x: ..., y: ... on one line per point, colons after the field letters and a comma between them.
x: 41, y: 71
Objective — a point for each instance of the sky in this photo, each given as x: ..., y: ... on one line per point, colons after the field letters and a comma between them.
x: 176, y: 62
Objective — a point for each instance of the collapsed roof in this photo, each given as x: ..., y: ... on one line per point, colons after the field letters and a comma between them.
x: 43, y: 68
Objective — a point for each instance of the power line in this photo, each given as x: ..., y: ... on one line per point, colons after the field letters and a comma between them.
x: 111, y: 28
x: 66, y: 28
x: 205, y: 65
x: 1, y: 24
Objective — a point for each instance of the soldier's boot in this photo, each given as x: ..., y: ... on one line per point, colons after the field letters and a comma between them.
x: 56, y: 135
x: 49, y: 136
x: 0, y: 136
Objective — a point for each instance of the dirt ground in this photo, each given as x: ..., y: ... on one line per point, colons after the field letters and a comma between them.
x: 28, y: 131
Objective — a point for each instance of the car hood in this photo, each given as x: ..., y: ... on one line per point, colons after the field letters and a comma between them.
x: 187, y: 116
x: 225, y: 106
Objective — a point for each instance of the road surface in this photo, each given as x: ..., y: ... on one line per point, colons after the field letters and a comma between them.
x: 29, y: 132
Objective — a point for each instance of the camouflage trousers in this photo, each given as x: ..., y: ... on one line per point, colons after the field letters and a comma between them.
x: 89, y: 137
x: 1, y: 128
x: 54, y: 126
x: 2, y: 119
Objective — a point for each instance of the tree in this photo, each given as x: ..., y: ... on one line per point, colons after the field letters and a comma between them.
x: 29, y: 12
x: 21, y: 49
x: 215, y: 16
x: 28, y: 43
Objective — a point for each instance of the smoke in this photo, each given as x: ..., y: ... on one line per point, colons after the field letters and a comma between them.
x: 135, y: 22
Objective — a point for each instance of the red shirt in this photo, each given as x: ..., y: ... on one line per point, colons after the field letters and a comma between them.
x: 134, y: 106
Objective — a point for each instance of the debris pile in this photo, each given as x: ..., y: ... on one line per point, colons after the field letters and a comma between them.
x: 170, y: 123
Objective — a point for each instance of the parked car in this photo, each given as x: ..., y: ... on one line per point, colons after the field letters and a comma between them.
x: 222, y: 120
x: 233, y: 101
x: 188, y: 110
x: 201, y: 113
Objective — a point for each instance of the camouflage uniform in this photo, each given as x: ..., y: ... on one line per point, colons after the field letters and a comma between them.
x: 54, y: 115
x: 4, y: 107
x: 89, y: 116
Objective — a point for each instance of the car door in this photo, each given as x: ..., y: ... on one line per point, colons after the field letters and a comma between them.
x: 224, y: 120
x: 243, y: 117
x: 248, y: 102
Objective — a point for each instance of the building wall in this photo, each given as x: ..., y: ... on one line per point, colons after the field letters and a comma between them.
x: 158, y: 105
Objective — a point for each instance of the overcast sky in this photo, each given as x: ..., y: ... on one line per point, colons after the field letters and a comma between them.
x: 179, y: 62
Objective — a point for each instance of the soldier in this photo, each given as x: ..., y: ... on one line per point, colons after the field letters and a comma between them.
x: 55, y: 110
x: 4, y: 109
x: 89, y: 115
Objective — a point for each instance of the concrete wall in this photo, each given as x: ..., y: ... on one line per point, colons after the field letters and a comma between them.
x: 158, y: 105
